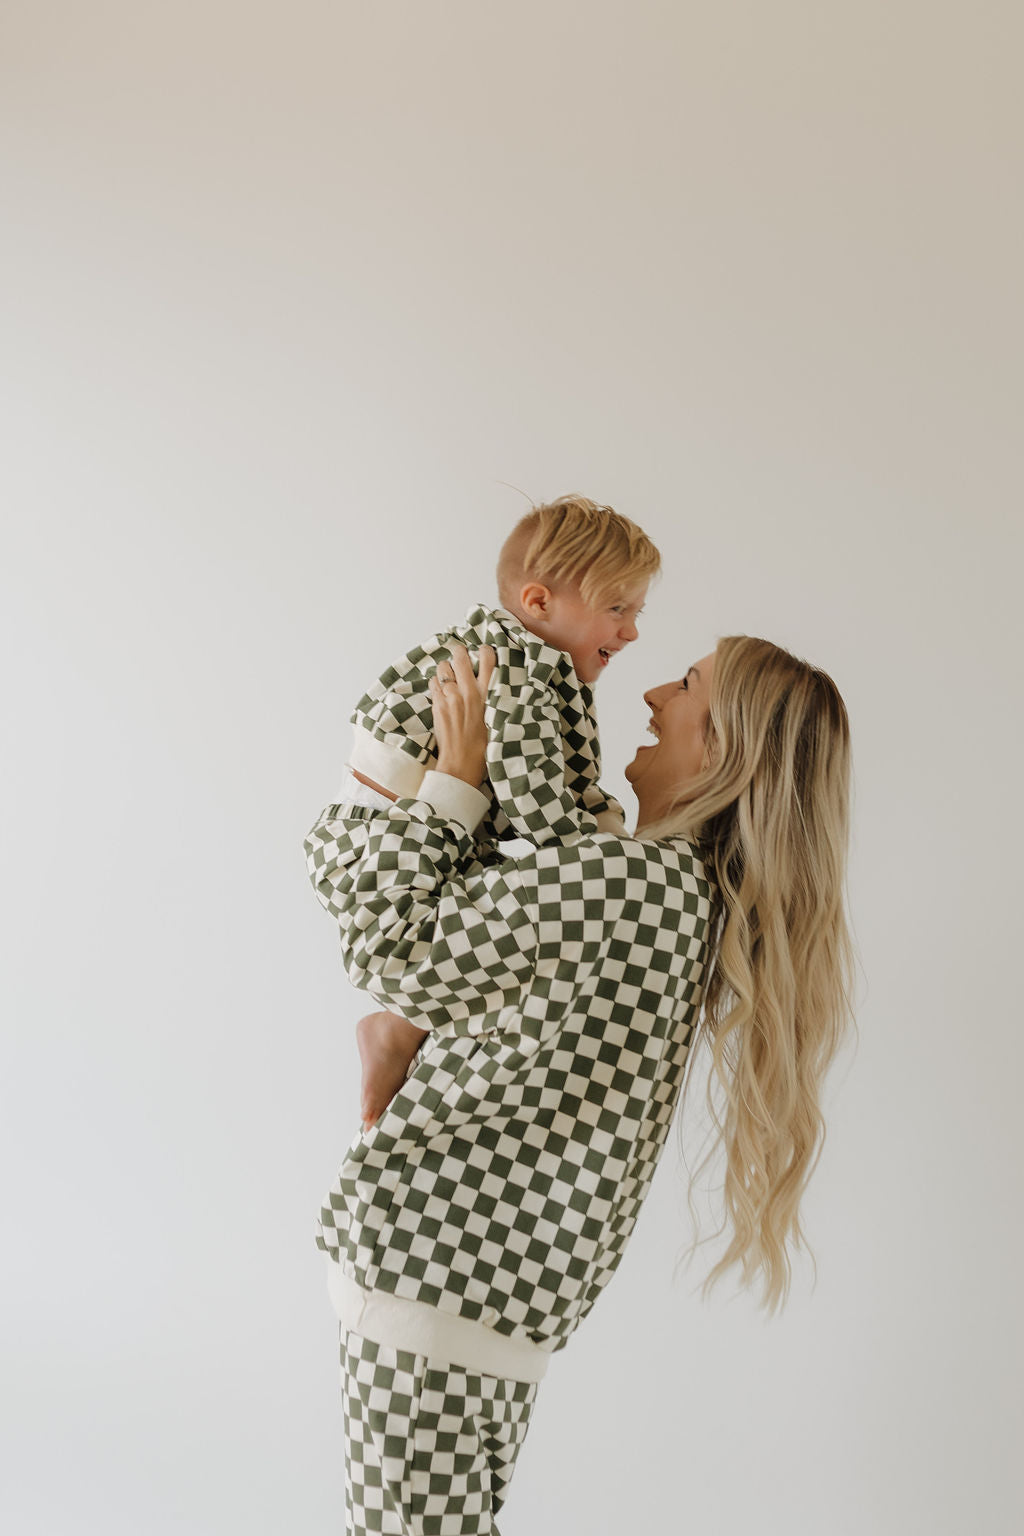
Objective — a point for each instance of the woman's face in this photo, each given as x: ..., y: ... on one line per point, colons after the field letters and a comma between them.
x: 679, y: 713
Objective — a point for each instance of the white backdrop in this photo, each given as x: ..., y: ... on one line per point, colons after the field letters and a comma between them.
x: 290, y: 290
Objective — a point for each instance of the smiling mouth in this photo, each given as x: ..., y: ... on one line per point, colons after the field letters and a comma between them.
x: 653, y: 729
x: 605, y: 656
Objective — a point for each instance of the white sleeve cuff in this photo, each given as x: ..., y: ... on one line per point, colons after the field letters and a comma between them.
x: 611, y: 821
x: 453, y: 799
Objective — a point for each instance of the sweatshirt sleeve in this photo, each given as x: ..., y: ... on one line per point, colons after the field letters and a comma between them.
x: 527, y: 769
x: 424, y: 928
x: 605, y: 809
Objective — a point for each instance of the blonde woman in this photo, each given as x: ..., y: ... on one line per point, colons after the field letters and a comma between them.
x: 471, y: 1230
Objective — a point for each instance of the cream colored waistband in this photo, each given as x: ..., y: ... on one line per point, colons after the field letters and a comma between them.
x: 423, y: 1330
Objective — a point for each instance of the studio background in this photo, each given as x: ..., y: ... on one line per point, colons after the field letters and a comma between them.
x: 293, y: 295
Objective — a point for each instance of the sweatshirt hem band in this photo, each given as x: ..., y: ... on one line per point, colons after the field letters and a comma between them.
x: 423, y: 1330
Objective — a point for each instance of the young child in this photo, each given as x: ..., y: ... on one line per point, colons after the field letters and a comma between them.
x: 572, y: 577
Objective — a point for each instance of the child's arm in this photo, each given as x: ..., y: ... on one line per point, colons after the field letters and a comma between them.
x: 605, y: 809
x: 545, y: 793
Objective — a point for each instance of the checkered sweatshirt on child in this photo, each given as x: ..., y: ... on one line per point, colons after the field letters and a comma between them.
x: 503, y: 1181
x: 543, y: 757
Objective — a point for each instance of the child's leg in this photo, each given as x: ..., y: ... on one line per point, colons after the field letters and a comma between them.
x: 387, y: 1048
x: 387, y: 1044
x: 428, y: 1448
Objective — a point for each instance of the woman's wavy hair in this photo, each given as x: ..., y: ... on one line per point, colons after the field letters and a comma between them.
x: 769, y: 813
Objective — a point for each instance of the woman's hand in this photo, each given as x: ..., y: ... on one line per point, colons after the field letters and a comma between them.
x: 457, y: 696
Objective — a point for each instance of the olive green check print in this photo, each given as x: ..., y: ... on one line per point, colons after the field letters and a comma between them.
x: 543, y: 755
x: 561, y: 990
x: 429, y: 1449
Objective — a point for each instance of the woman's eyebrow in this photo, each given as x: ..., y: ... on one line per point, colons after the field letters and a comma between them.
x: 695, y: 672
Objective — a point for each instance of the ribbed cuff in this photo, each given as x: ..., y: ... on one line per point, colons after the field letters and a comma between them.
x: 453, y: 799
x: 611, y: 821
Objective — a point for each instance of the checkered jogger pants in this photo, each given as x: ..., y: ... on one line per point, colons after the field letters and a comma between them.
x: 429, y: 1449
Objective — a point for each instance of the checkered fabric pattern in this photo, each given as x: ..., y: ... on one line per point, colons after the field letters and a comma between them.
x: 504, y: 1179
x: 543, y: 756
x: 429, y: 1449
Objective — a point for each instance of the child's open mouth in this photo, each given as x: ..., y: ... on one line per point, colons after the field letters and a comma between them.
x: 605, y: 656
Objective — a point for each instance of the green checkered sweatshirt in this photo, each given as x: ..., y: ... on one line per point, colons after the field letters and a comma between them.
x: 560, y: 991
x: 543, y: 754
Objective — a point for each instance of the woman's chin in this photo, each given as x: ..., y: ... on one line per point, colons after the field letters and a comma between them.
x: 633, y: 769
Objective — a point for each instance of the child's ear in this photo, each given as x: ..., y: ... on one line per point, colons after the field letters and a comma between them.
x: 535, y: 600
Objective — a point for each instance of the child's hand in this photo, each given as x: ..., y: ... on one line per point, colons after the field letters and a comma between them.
x: 387, y: 1045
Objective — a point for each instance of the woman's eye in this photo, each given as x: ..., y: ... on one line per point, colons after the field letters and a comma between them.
x: 685, y: 685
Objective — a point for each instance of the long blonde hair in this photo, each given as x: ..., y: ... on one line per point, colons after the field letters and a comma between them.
x: 769, y: 813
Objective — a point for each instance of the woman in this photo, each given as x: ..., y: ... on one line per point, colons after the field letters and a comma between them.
x: 473, y: 1228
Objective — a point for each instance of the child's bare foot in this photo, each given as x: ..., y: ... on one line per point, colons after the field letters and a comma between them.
x: 387, y: 1045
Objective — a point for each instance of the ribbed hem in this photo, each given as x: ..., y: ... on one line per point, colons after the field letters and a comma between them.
x: 448, y: 797
x: 441, y: 1336
x: 386, y: 765
x: 353, y: 792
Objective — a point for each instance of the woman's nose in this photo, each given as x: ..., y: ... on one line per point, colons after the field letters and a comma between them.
x: 656, y: 696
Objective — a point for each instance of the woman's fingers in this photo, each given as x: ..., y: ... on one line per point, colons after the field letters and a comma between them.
x: 458, y: 672
x: 460, y: 662
x: 457, y: 695
x: 461, y: 665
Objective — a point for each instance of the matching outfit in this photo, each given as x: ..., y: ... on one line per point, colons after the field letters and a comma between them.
x: 543, y: 756
x: 471, y: 1230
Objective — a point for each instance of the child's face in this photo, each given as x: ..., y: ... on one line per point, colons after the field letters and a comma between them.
x: 590, y: 635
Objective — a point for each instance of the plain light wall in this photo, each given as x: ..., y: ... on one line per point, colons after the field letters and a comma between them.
x: 292, y: 294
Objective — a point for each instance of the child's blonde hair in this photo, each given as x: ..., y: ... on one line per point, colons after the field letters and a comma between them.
x: 574, y: 541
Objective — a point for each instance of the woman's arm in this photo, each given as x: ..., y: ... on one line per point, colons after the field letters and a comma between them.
x: 388, y: 1044
x: 424, y: 929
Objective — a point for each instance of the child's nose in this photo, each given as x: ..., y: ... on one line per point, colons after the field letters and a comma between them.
x: 628, y: 630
